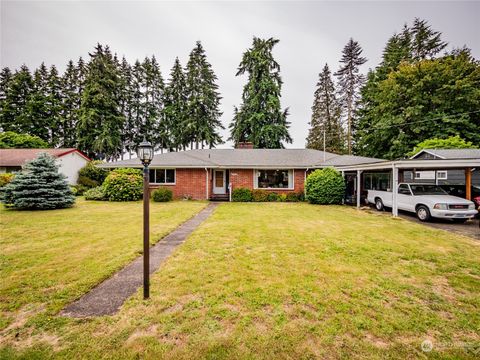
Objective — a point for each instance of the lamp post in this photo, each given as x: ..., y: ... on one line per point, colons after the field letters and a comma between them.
x: 145, y: 154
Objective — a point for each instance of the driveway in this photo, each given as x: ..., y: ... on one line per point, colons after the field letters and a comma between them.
x: 470, y: 228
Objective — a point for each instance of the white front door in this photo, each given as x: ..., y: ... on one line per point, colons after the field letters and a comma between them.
x: 219, y: 182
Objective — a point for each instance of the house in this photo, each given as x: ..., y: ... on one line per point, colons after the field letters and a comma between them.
x: 214, y: 173
x: 70, y: 160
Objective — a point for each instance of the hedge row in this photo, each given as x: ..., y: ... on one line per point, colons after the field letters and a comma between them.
x: 258, y: 195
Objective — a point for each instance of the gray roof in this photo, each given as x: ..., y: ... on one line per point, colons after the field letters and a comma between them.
x: 453, y: 153
x: 246, y: 158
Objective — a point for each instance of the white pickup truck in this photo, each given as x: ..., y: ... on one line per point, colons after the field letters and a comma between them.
x: 426, y: 200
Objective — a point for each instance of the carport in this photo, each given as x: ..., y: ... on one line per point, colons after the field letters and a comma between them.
x: 396, y: 169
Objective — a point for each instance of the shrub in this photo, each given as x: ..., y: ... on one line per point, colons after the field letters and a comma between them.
x: 6, y: 178
x: 39, y: 186
x: 162, y: 195
x: 80, y: 189
x: 325, y: 186
x: 92, y: 176
x: 96, y: 193
x: 259, y: 195
x: 241, y: 195
x: 292, y: 197
x: 13, y: 140
x: 282, y: 197
x: 124, y: 185
x: 272, y: 197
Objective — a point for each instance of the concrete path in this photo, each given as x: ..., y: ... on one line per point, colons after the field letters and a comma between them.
x: 109, y: 296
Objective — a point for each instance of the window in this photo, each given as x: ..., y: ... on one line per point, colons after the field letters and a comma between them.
x: 442, y: 175
x: 404, y: 190
x: 162, y: 176
x: 427, y: 190
x: 274, y: 179
x: 425, y: 175
x: 376, y: 181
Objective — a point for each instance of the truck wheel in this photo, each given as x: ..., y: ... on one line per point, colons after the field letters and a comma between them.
x: 379, y: 204
x: 423, y: 213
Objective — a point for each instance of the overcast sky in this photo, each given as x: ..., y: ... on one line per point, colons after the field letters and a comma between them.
x: 311, y: 34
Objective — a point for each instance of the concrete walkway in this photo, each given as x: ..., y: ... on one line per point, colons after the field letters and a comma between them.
x: 109, y: 296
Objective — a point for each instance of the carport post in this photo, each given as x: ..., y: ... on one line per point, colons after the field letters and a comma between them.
x: 394, y: 191
x: 468, y: 184
x: 359, y: 187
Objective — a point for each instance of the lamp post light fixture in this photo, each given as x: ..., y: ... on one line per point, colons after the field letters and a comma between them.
x: 145, y: 154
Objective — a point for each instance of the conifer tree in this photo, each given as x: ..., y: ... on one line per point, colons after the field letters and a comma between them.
x: 39, y: 186
x: 350, y: 80
x: 5, y: 78
x: 175, y: 109
x: 36, y: 110
x: 203, y: 100
x: 70, y: 105
x: 426, y: 43
x: 260, y: 119
x: 125, y: 101
x: 153, y: 101
x: 326, y: 116
x: 54, y: 106
x: 101, y: 122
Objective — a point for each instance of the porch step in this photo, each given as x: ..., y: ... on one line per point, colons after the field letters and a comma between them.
x: 221, y: 197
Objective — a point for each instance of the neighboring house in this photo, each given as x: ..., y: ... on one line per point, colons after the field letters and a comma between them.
x: 213, y: 173
x: 70, y: 160
x: 444, y: 176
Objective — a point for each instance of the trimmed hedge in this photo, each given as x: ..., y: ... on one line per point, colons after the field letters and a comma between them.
x: 124, y: 185
x: 162, y: 195
x: 272, y: 197
x: 242, y: 195
x: 259, y: 195
x: 96, y: 193
x: 325, y: 186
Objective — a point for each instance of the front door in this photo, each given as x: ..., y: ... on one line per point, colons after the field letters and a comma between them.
x: 219, y: 182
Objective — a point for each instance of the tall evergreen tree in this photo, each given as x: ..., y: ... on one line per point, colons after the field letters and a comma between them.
x: 350, y: 80
x: 17, y: 92
x: 175, y: 109
x: 70, y: 105
x: 326, y: 129
x: 203, y: 100
x: 125, y: 101
x: 260, y: 119
x: 426, y: 43
x: 37, y: 116
x: 5, y: 78
x: 101, y: 122
x: 54, y: 106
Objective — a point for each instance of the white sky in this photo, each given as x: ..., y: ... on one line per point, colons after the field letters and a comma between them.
x: 311, y: 34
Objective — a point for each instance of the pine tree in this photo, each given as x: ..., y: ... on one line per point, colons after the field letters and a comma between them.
x: 260, y: 119
x: 101, y: 122
x: 326, y: 116
x: 137, y: 103
x: 5, y: 78
x: 54, y: 106
x: 18, y: 89
x: 70, y: 105
x: 153, y: 100
x: 39, y: 186
x: 203, y: 100
x: 350, y: 81
x: 175, y: 109
x: 426, y: 43
x: 37, y: 113
x: 125, y: 100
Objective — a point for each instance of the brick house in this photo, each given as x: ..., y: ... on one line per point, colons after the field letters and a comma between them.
x: 214, y: 173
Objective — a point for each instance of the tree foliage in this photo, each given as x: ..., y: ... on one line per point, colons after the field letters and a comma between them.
x: 12, y: 140
x: 39, y: 186
x: 260, y: 119
x: 326, y: 116
x: 452, y: 142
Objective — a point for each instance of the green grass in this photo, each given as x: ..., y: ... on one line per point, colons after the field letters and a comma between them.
x: 282, y: 280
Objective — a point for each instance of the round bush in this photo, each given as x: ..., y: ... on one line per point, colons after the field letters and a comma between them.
x: 325, y: 186
x: 162, y: 195
x: 272, y: 197
x: 241, y: 195
x: 124, y: 185
x: 91, y: 175
x: 259, y: 195
x: 96, y: 193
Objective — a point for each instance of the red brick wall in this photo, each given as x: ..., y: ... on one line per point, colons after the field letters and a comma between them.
x: 188, y: 182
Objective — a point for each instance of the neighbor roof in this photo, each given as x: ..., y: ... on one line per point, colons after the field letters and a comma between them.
x: 451, y: 153
x: 246, y: 158
x: 18, y: 157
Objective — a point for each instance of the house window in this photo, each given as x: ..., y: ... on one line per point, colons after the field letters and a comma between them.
x: 442, y: 175
x: 376, y: 181
x: 274, y: 179
x: 162, y: 176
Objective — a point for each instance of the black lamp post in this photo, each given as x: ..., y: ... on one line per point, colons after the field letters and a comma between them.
x: 145, y: 154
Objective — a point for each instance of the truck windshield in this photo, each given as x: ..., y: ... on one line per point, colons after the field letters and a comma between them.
x: 427, y: 190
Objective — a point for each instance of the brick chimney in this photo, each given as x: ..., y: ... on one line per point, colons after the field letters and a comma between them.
x: 244, y: 145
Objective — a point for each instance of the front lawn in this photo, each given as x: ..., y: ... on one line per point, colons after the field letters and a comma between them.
x: 281, y: 280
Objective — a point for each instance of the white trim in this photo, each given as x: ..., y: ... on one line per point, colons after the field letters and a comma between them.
x: 224, y: 187
x: 415, y: 163
x: 164, y: 184
x: 428, y: 152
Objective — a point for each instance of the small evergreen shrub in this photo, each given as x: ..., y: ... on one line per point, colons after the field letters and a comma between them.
x: 96, y: 193
x: 39, y: 186
x: 124, y: 185
x: 6, y: 178
x: 282, y: 197
x: 259, y: 195
x: 292, y: 197
x: 325, y: 186
x: 272, y: 197
x: 162, y: 195
x: 241, y: 195
x: 91, y: 175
